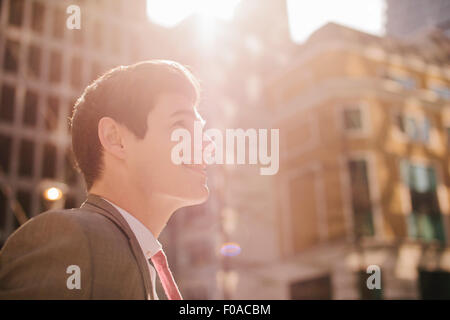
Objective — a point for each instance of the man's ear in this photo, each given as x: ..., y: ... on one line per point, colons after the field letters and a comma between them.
x: 110, y: 135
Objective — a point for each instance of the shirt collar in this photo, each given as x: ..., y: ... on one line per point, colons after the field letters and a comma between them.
x: 149, y: 244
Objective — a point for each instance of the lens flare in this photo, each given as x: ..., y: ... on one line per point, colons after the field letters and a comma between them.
x: 169, y: 13
x: 53, y: 194
x: 230, y: 249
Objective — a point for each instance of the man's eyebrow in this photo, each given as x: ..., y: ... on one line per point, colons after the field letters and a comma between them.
x: 190, y: 113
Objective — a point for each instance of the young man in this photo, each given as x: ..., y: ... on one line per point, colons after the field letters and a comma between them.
x: 108, y: 248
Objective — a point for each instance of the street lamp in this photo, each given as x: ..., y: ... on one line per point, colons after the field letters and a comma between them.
x: 53, y: 193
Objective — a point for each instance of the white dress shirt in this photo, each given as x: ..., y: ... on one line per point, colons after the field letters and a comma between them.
x: 148, y: 243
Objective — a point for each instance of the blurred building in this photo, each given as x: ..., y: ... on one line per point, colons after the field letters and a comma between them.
x: 42, y: 75
x: 407, y: 18
x: 364, y: 172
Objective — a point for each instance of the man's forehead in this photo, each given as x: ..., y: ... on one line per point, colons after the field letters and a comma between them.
x: 176, y: 105
x: 191, y: 113
x: 169, y: 103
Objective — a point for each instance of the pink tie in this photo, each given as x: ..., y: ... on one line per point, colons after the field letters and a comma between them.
x: 170, y: 287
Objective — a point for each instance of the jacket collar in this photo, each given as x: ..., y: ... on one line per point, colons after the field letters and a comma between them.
x: 97, y: 204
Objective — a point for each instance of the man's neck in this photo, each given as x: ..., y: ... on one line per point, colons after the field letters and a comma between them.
x: 152, y: 211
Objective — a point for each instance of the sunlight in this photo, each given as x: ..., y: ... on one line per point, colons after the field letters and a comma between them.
x: 169, y: 13
x: 307, y: 16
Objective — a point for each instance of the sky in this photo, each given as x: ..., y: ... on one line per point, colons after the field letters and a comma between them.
x: 305, y: 16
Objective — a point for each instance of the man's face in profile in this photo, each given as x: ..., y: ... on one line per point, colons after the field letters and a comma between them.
x: 149, y: 159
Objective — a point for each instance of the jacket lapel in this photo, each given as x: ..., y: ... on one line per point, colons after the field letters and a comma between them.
x: 97, y: 204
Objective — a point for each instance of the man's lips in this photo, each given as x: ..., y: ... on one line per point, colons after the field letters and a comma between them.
x: 199, y: 168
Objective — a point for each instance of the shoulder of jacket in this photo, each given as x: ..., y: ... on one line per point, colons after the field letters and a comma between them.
x: 77, y: 215
x: 76, y: 220
x: 91, y: 228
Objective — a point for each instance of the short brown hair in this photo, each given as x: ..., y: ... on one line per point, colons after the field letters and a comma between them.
x: 126, y: 94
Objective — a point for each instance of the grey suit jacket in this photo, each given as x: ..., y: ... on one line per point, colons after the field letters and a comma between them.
x: 94, y: 237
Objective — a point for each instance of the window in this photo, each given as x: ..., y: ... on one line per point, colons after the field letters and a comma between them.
x: 75, y: 71
x: 55, y: 66
x: 411, y: 128
x: 407, y: 83
x: 353, y: 118
x: 5, y: 154
x: 59, y: 22
x: 400, y: 123
x: 7, y: 103
x: 30, y: 109
x: 360, y: 192
x: 78, y: 37
x: 11, y: 60
x: 414, y: 129
x: 425, y: 221
x: 426, y: 126
x: 49, y: 161
x: 442, y: 92
x: 26, y: 158
x: 34, y: 61
x: 37, y: 18
x: 16, y: 12
x: 51, y: 114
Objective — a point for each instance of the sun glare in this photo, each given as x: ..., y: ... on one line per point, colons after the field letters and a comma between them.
x: 307, y: 16
x: 169, y: 13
